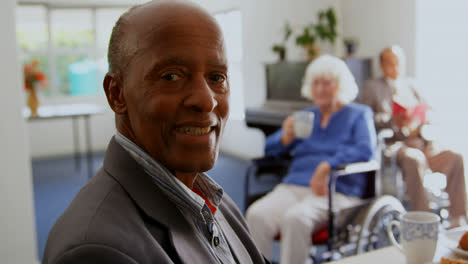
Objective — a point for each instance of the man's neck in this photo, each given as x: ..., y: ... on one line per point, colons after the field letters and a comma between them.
x: 391, y: 80
x: 188, y: 179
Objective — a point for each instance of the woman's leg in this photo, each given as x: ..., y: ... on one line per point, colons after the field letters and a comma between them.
x: 264, y: 216
x: 310, y: 215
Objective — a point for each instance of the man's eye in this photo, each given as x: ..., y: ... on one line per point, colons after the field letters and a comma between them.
x: 217, y: 78
x: 171, y: 77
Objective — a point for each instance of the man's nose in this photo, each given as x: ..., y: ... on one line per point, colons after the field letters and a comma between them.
x: 201, y: 97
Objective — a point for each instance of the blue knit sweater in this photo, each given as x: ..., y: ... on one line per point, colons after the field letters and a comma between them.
x: 349, y: 137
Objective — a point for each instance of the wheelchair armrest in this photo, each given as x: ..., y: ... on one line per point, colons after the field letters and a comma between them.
x: 384, y: 134
x: 342, y: 170
x: 356, y: 167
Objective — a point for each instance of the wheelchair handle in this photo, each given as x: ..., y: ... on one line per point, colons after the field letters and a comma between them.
x: 391, y: 236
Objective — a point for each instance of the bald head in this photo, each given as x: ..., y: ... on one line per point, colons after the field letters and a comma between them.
x: 392, y: 62
x: 142, y: 21
x: 395, y: 50
x: 168, y: 83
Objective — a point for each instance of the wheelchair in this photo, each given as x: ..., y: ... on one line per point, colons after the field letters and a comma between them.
x: 393, y: 183
x: 350, y: 231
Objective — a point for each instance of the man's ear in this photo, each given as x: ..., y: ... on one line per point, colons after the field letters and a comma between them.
x: 114, y: 92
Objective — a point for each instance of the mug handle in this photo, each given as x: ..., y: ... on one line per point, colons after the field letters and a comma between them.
x: 391, y: 236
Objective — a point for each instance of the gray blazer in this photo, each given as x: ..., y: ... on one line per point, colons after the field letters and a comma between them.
x: 377, y: 94
x: 120, y: 216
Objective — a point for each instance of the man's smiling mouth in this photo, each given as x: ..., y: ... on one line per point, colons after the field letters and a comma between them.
x: 194, y: 131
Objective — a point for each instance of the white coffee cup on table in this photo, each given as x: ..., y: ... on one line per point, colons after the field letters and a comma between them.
x: 303, y: 123
x: 419, y: 232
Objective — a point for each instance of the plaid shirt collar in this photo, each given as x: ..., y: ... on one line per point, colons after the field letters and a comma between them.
x: 172, y: 187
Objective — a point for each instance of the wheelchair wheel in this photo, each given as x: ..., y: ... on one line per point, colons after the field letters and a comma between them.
x: 373, y: 233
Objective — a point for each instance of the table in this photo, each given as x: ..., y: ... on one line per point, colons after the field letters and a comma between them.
x: 389, y: 255
x: 73, y: 112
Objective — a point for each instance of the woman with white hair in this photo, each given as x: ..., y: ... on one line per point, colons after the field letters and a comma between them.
x: 343, y: 132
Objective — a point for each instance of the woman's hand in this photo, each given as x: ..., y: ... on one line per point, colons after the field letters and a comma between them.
x: 288, y: 131
x: 319, y: 181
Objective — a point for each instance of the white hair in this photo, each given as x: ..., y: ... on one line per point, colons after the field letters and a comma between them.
x: 330, y: 65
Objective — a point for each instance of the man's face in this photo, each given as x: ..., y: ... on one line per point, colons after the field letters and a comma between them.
x: 176, y: 90
x: 390, y: 65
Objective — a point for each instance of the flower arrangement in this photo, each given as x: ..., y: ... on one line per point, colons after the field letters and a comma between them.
x: 33, y: 77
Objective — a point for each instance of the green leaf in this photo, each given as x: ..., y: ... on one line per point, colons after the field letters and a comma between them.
x: 305, y: 38
x: 321, y: 15
x: 278, y: 48
x: 321, y: 31
x: 288, y: 31
x: 312, y: 52
x: 331, y: 17
x: 325, y: 29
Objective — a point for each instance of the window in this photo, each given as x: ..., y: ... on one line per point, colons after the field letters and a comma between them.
x: 69, y: 43
x: 231, y: 25
x: 71, y: 47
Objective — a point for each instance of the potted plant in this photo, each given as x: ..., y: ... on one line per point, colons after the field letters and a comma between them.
x: 325, y: 29
x: 350, y: 45
x: 326, y: 26
x: 307, y: 41
x: 281, y: 48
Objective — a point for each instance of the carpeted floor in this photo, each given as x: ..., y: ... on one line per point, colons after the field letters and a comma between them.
x: 58, y: 180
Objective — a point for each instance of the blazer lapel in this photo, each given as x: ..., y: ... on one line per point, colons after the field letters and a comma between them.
x: 121, y: 166
x: 386, y: 89
x: 237, y: 247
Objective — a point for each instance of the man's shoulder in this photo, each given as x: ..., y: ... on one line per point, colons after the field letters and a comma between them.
x: 375, y: 82
x: 227, y: 204
x: 411, y: 82
x: 91, y: 199
x: 232, y: 213
x: 237, y: 222
x: 102, y: 214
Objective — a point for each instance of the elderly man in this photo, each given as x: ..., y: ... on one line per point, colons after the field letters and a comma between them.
x: 415, y: 154
x: 151, y: 201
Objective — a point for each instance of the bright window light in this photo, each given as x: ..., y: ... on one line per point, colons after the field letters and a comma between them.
x: 231, y: 25
x: 73, y: 55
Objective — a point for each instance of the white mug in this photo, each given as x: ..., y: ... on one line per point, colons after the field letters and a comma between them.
x: 419, y: 232
x: 303, y: 123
